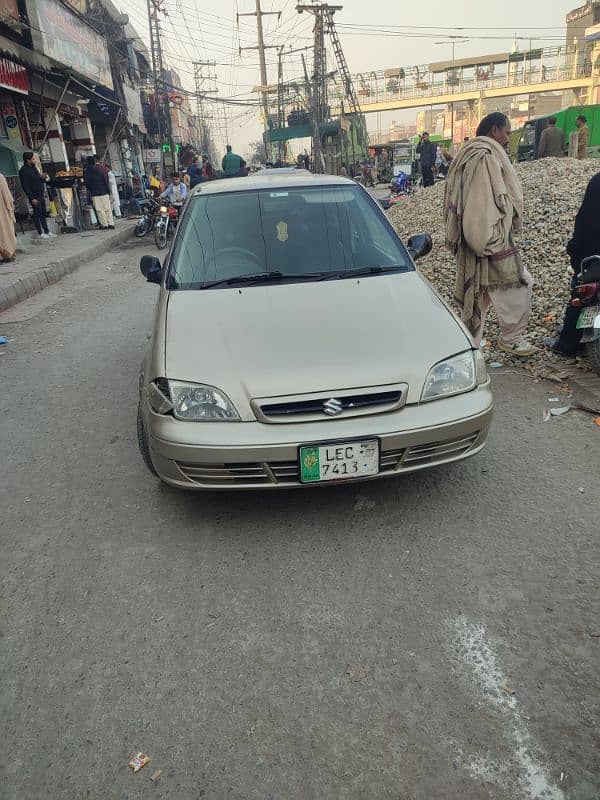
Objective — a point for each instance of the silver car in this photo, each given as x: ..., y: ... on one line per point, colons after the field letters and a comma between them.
x: 295, y: 344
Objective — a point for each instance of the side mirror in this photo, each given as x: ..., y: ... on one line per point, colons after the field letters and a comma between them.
x: 419, y: 245
x: 151, y: 269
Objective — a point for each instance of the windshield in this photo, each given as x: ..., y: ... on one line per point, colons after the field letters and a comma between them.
x: 296, y: 233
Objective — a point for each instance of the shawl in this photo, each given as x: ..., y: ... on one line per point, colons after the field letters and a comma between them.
x: 483, y: 207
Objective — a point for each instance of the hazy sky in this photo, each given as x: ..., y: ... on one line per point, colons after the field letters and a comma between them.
x: 206, y: 30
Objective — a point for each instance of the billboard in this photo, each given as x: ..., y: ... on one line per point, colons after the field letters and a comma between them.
x: 66, y: 38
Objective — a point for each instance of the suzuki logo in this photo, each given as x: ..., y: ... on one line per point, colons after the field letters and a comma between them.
x: 332, y: 407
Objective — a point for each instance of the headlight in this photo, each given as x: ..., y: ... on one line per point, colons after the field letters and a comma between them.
x: 163, y: 209
x: 200, y: 403
x: 452, y: 376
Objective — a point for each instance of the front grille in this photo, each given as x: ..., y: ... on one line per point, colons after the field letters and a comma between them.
x: 282, y: 473
x: 304, y: 408
x: 430, y: 453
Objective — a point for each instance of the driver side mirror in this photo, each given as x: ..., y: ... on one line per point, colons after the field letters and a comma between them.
x: 419, y: 245
x: 151, y: 269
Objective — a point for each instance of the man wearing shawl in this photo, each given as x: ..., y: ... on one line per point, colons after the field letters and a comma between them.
x: 584, y: 242
x: 483, y: 209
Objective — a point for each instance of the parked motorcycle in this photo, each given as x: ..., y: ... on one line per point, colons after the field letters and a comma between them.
x: 147, y: 221
x: 165, y: 225
x: 586, y: 296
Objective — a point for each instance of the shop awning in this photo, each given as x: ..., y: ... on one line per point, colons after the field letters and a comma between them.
x: 15, y: 147
x: 24, y: 55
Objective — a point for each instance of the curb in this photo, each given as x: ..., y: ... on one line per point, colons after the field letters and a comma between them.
x: 33, y: 283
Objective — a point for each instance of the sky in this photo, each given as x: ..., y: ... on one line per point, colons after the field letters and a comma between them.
x: 207, y: 30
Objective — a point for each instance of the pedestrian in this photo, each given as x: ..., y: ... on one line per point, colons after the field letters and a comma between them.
x: 114, y: 194
x: 207, y: 168
x: 195, y: 173
x: 33, y: 184
x: 551, y: 141
x: 427, y: 151
x: 483, y: 208
x: 8, y: 238
x: 95, y: 176
x: 583, y: 133
x: 306, y: 160
x: 343, y: 170
x: 584, y: 242
x: 231, y: 164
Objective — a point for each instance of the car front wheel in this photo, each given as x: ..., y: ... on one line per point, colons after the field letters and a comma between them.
x: 143, y: 442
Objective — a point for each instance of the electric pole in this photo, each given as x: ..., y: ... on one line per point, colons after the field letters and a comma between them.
x: 259, y: 14
x: 154, y: 6
x: 199, y: 79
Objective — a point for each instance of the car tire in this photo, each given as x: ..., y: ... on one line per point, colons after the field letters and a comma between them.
x: 143, y: 442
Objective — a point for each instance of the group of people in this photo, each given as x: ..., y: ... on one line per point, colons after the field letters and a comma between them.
x: 483, y: 209
x: 551, y: 144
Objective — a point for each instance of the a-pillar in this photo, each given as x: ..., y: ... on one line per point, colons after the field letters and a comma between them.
x: 54, y: 140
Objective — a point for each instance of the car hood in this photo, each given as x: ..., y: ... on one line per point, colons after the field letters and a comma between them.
x: 287, y: 339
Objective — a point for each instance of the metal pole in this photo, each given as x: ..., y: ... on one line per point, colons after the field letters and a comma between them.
x: 41, y: 111
x: 112, y: 133
x: 61, y: 98
x: 263, y: 72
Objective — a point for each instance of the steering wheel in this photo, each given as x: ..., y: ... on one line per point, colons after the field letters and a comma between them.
x: 237, y: 251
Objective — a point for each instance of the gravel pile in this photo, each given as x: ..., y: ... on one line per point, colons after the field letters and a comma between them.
x: 553, y: 189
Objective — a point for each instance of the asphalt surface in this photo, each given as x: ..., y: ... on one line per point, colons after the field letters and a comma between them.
x: 434, y: 636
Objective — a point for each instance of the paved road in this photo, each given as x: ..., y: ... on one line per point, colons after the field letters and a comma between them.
x: 356, y: 642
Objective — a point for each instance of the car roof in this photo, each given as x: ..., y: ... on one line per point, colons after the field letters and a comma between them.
x: 270, y: 179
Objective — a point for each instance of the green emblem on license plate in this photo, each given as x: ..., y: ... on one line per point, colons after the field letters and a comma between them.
x: 309, y: 464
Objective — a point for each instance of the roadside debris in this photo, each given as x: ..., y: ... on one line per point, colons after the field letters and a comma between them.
x: 357, y: 672
x: 495, y: 364
x: 138, y: 761
x: 581, y: 490
x: 558, y: 412
x: 156, y: 775
x: 546, y: 415
x: 597, y: 421
x: 3, y: 340
x: 507, y: 689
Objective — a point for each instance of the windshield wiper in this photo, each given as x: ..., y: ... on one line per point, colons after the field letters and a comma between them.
x: 357, y: 273
x: 273, y: 275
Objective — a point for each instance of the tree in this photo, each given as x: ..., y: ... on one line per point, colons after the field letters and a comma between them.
x: 258, y: 153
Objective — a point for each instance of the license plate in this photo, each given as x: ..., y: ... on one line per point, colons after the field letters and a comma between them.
x: 587, y: 316
x: 339, y: 461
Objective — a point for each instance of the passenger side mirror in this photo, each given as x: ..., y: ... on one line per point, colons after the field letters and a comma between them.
x: 151, y: 269
x: 419, y: 245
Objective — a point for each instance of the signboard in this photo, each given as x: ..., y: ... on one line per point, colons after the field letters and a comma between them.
x: 66, y: 38
x: 14, y: 76
x: 152, y: 156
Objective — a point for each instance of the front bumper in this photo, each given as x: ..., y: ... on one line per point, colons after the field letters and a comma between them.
x: 248, y: 455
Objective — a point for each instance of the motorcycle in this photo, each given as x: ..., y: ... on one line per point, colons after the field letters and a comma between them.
x: 586, y: 296
x: 147, y: 221
x: 165, y: 225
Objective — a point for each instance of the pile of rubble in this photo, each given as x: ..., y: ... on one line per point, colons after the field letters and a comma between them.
x: 553, y: 189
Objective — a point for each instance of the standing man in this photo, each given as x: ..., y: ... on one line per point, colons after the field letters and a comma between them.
x: 583, y: 133
x: 8, y: 239
x: 551, y: 141
x: 194, y: 172
x: 33, y: 186
x: 176, y: 192
x: 231, y: 164
x: 483, y: 208
x: 207, y: 168
x: 427, y: 150
x: 95, y: 177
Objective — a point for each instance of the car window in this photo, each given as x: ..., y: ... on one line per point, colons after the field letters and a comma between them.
x: 294, y: 231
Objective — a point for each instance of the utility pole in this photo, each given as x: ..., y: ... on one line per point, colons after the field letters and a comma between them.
x: 154, y: 6
x: 201, y: 92
x: 259, y: 14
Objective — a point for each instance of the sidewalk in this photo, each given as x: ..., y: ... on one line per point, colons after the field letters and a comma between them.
x: 42, y: 262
